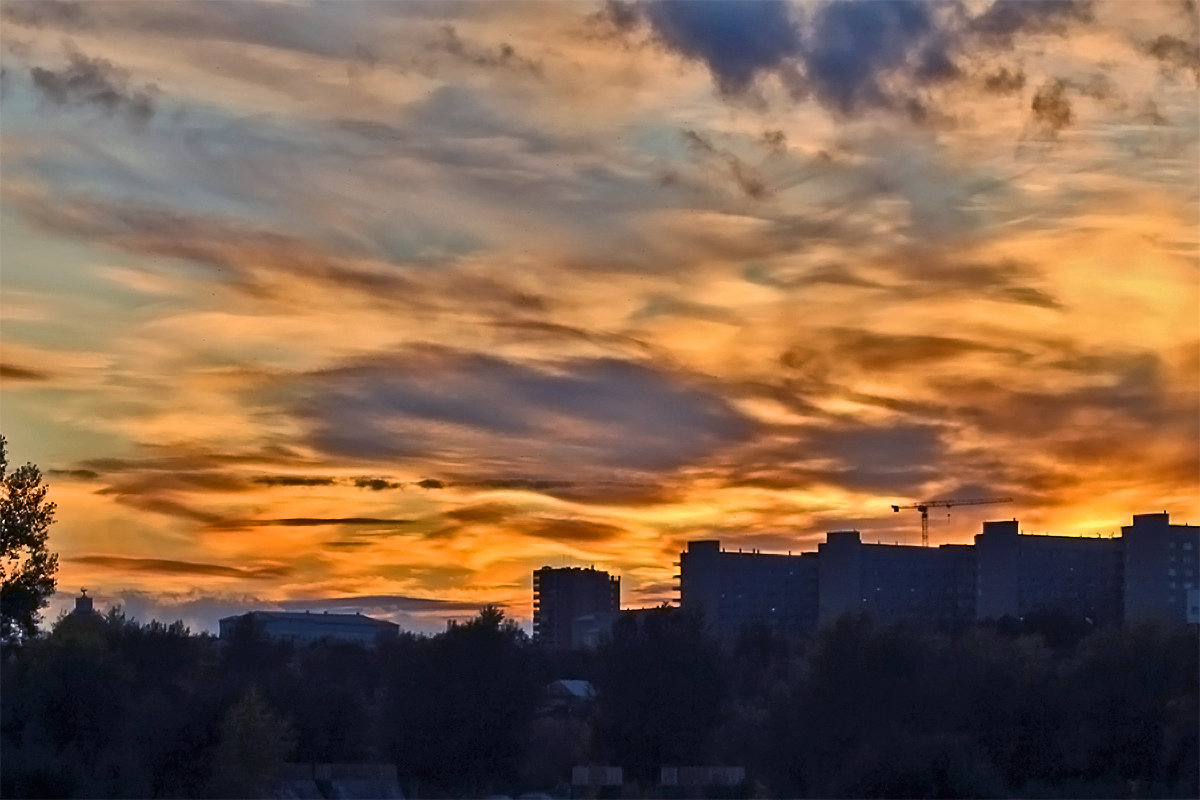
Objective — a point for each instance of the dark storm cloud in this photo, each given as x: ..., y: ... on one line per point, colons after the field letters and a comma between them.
x: 1176, y: 52
x: 735, y: 39
x: 879, y: 351
x: 87, y: 81
x: 168, y: 567
x: 377, y: 484
x: 894, y: 458
x: 1009, y: 281
x: 620, y: 15
x: 1123, y: 389
x: 294, y: 480
x: 12, y: 372
x: 1051, y: 107
x: 585, y: 414
x: 1004, y: 81
x: 488, y: 513
x: 168, y: 507
x: 850, y: 55
x: 1004, y: 19
x: 182, y: 479
x: 853, y: 45
x: 776, y: 140
x: 77, y: 474
x: 572, y: 530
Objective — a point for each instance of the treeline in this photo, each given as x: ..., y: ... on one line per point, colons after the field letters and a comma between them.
x: 1048, y: 707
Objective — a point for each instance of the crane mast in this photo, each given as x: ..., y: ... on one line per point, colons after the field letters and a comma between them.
x: 947, y: 504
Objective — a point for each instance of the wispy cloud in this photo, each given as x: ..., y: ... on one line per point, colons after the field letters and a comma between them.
x: 405, y: 300
x: 168, y: 567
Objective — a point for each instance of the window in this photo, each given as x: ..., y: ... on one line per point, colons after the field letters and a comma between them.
x: 1187, y: 545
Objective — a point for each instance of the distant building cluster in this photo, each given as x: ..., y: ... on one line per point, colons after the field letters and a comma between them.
x: 1151, y: 571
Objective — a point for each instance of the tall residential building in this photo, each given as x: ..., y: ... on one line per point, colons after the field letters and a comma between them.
x: 735, y: 590
x: 1161, y: 563
x: 933, y: 584
x: 564, y: 595
x: 1019, y: 573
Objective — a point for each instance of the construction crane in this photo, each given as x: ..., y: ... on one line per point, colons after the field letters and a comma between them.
x: 947, y: 504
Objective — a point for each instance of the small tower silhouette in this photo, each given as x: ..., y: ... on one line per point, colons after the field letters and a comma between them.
x: 83, y: 604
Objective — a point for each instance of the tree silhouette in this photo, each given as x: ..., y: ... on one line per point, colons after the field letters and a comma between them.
x: 255, y: 743
x: 27, y: 567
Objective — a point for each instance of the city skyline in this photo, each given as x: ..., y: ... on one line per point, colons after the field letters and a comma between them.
x: 386, y: 307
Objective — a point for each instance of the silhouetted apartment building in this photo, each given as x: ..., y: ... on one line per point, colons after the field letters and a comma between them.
x: 735, y: 590
x: 933, y: 584
x: 1019, y: 573
x: 304, y: 627
x: 564, y: 595
x: 1147, y: 572
x: 1161, y: 563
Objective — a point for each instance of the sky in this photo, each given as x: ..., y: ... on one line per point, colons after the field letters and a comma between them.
x: 380, y: 306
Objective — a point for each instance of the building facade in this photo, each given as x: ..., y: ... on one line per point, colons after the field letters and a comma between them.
x: 1160, y: 562
x: 934, y: 584
x: 563, y: 596
x: 735, y: 590
x: 1146, y: 573
x: 1019, y: 574
x: 304, y: 627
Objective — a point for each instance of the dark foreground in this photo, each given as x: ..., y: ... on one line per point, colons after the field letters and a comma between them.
x: 1047, y: 707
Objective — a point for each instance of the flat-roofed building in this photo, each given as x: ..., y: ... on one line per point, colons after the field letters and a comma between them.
x: 304, y: 627
x: 736, y: 590
x: 563, y: 595
x: 933, y: 585
x: 1021, y: 573
x: 1161, y: 563
x: 1148, y: 572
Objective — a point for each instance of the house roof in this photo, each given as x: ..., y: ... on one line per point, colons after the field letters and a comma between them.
x: 583, y: 690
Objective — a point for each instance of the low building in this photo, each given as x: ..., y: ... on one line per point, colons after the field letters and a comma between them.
x: 567, y: 697
x: 305, y: 627
x: 701, y: 777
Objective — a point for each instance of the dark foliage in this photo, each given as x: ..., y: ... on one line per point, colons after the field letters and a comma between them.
x: 27, y: 567
x: 1044, y: 707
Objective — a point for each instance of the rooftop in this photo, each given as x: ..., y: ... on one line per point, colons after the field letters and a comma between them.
x: 324, y: 618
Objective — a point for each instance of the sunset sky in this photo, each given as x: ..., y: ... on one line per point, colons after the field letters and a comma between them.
x: 382, y: 305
